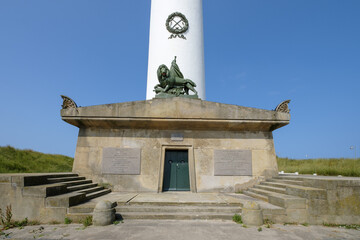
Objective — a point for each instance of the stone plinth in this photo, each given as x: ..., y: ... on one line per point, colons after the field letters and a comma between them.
x: 151, y: 125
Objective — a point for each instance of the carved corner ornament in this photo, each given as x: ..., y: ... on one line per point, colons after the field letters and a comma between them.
x: 68, y: 102
x: 177, y: 24
x: 283, y: 107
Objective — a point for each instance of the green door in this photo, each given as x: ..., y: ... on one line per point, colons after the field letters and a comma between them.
x: 176, y: 171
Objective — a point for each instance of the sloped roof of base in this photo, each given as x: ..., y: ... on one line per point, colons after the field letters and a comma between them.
x: 175, y: 114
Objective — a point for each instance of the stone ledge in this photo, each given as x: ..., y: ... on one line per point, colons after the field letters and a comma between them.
x: 175, y: 113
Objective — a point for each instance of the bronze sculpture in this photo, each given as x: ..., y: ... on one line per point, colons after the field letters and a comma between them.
x: 173, y: 83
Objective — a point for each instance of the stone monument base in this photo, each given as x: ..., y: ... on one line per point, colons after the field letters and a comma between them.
x: 167, y: 95
x: 175, y: 144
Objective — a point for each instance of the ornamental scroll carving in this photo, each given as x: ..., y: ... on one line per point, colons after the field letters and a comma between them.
x: 68, y: 102
x: 283, y: 107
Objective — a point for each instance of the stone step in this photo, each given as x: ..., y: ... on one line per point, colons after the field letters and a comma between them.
x: 281, y: 200
x: 91, y: 190
x: 78, y: 217
x: 272, y: 189
x: 290, y: 177
x: 300, y: 191
x: 65, y: 179
x: 97, y: 194
x: 286, y: 181
x: 45, y: 190
x: 255, y: 195
x: 79, y: 182
x: 178, y: 216
x: 201, y: 204
x: 173, y: 209
x: 40, y: 179
x: 58, y: 175
x: 80, y: 187
x: 306, y: 192
x: 65, y: 200
x: 274, y: 184
x: 160, y: 209
x: 81, y: 209
x: 266, y: 207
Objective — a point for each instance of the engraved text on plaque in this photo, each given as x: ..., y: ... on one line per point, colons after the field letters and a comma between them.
x: 232, y: 163
x: 124, y: 161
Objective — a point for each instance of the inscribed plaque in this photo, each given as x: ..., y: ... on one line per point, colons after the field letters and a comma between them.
x: 232, y: 163
x: 123, y: 161
x: 177, y: 137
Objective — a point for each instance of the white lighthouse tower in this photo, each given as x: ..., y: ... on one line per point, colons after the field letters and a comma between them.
x: 176, y: 29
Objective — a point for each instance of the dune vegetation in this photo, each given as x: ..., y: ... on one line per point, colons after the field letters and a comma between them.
x: 14, y: 160
x: 321, y: 166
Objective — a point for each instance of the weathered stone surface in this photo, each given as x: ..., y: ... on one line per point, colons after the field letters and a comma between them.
x: 123, y: 161
x: 104, y: 213
x: 176, y: 113
x: 91, y: 142
x: 232, y: 163
x: 252, y: 214
x: 153, y: 126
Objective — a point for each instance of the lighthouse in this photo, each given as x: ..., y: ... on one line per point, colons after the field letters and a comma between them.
x: 176, y: 30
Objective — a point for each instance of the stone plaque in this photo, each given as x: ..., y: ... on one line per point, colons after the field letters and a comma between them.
x: 123, y: 161
x: 232, y: 163
x: 177, y: 137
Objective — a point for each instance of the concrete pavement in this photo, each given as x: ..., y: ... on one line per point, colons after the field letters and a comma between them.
x: 174, y: 230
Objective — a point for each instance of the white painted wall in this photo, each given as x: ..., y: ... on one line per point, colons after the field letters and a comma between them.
x: 189, y: 52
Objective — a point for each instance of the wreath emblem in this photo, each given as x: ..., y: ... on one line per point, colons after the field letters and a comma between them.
x: 177, y: 24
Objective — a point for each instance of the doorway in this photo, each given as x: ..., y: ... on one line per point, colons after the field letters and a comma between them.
x: 176, y: 171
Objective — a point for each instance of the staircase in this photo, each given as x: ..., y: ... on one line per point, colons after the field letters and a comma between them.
x: 281, y: 199
x: 54, y: 196
x: 164, y: 210
x: 284, y: 187
x: 291, y: 194
x: 62, y: 190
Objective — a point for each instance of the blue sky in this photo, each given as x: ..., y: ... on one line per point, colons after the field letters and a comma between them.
x: 257, y: 54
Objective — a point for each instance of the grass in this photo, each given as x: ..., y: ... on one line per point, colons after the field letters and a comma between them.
x: 67, y: 220
x: 347, y: 226
x: 321, y: 166
x: 268, y: 223
x: 14, y: 160
x: 87, y: 221
x: 237, y: 218
x: 7, y: 222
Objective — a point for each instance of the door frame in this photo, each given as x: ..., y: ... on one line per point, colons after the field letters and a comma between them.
x: 191, y: 162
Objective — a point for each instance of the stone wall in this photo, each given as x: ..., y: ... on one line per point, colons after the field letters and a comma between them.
x: 200, y: 144
x: 341, y: 203
x: 26, y: 204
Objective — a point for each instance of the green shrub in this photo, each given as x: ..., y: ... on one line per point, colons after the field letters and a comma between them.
x: 67, y: 220
x: 87, y: 221
x: 5, y: 218
x: 237, y: 218
x: 268, y: 223
x: 7, y: 222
